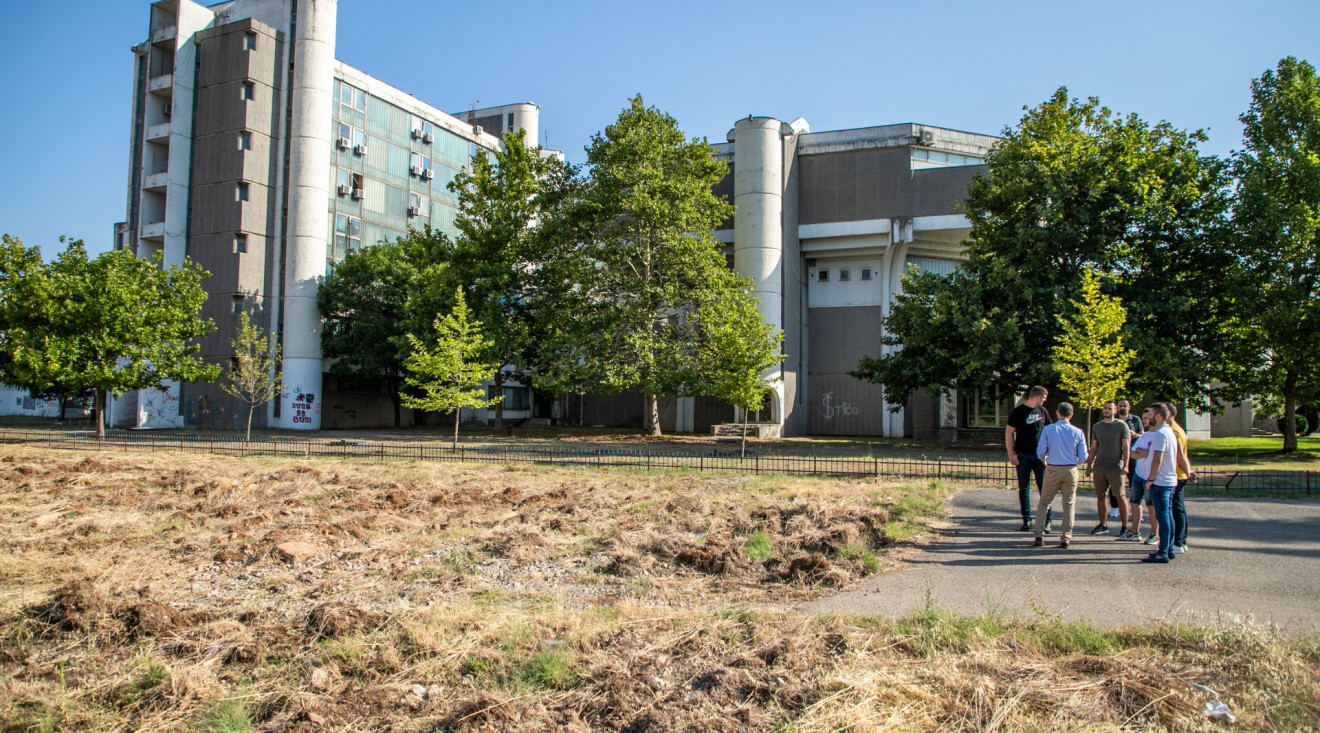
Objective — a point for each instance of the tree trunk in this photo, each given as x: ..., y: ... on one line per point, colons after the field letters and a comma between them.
x: 398, y: 408
x: 499, y: 406
x: 743, y: 453
x: 98, y: 412
x: 1289, y: 422
x: 59, y: 415
x: 457, y: 411
x: 653, y: 415
x: 248, y: 436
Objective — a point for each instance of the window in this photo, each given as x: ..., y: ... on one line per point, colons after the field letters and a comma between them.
x: 923, y: 158
x: 238, y: 304
x: 989, y: 408
x: 415, y: 163
x: 354, y: 98
x: 242, y: 192
x: 515, y: 398
x: 509, y: 126
x: 244, y: 141
x: 419, y: 205
x: 343, y: 182
x: 348, y: 237
x: 249, y: 90
x: 844, y: 274
x: 240, y: 243
x: 249, y: 41
x: 822, y: 275
x: 866, y: 273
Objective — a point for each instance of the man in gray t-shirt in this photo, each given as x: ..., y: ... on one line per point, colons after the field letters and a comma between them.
x: 1110, y: 440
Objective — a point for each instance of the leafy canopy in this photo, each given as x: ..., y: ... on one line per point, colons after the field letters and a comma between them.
x: 1092, y: 363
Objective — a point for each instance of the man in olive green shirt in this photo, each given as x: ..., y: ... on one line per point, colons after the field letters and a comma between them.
x: 1110, y: 440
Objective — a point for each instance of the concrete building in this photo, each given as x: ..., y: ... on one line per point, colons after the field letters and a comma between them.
x: 263, y: 159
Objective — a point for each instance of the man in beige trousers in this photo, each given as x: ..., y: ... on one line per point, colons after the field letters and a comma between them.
x: 1062, y: 447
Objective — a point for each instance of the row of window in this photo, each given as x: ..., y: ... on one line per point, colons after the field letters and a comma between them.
x: 842, y: 274
x: 933, y: 158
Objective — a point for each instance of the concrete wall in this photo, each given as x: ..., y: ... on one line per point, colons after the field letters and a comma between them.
x: 1234, y: 422
x: 837, y: 404
x: 878, y: 184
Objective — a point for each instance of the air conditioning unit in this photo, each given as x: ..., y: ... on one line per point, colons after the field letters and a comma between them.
x: 416, y: 170
x: 428, y: 137
x: 343, y: 143
x: 345, y: 190
x: 417, y: 133
x: 927, y: 137
x: 357, y: 193
x: 476, y: 130
x: 428, y: 174
x: 414, y: 210
x: 361, y: 149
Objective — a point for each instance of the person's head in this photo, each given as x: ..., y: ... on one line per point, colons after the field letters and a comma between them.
x: 1159, y: 414
x: 1171, y: 413
x: 1108, y: 409
x: 1148, y: 417
x: 1036, y: 397
x: 1064, y: 411
x: 1123, y: 407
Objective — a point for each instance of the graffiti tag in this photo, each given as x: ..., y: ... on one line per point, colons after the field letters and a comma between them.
x: 842, y: 409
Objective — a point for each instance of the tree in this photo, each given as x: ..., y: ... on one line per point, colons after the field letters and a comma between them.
x: 115, y: 323
x: 365, y: 306
x: 648, y: 214
x: 252, y: 377
x: 1092, y: 363
x: 509, y: 267
x: 738, y: 348
x: 1073, y: 186
x: 449, y: 374
x: 1277, y: 218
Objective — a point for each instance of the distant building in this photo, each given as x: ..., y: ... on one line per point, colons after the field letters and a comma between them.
x: 262, y: 158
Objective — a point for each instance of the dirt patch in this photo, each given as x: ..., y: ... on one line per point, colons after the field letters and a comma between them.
x: 329, y: 620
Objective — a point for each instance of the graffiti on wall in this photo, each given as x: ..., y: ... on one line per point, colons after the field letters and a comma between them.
x: 840, y: 409
x: 303, y: 405
x: 159, y: 408
x: 203, y: 413
x: 19, y: 402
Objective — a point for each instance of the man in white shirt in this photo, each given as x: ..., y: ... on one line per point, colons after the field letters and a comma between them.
x: 1159, y: 457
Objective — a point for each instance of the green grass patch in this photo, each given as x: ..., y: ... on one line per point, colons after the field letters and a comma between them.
x: 227, y: 716
x: 758, y: 547
x: 550, y: 669
x: 1258, y: 449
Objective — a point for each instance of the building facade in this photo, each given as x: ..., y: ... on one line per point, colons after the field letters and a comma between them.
x: 260, y: 157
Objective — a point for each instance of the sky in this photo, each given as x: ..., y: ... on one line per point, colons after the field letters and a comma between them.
x: 970, y: 66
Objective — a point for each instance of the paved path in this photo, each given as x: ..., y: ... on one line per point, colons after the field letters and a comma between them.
x: 1257, y: 557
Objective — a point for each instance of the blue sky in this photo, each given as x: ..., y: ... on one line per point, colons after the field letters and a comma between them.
x: 969, y: 66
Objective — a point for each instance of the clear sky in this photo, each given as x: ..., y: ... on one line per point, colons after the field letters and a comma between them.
x: 965, y: 65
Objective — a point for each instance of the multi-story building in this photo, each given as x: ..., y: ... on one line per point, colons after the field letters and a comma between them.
x: 263, y: 159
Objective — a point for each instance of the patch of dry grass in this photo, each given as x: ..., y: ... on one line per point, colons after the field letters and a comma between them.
x: 142, y: 592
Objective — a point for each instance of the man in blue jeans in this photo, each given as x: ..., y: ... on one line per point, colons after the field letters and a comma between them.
x: 1021, y: 437
x: 1161, y: 456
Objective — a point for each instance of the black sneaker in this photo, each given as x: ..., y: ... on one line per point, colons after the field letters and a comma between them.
x: 1040, y: 542
x: 1026, y: 526
x: 1101, y: 528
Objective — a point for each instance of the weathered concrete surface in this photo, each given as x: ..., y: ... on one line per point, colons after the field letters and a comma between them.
x: 1248, y: 558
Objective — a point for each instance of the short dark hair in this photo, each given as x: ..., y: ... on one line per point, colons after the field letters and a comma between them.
x: 1064, y: 409
x: 1038, y: 391
x: 1159, y: 409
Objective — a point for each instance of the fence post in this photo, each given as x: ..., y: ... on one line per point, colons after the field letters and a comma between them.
x: 939, y: 468
x: 875, y: 466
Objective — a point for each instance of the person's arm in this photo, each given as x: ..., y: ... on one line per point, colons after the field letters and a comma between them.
x: 1008, y: 444
x: 1090, y: 458
x: 1127, y: 446
x: 1157, y: 457
x: 1082, y: 454
x: 1043, y: 443
x: 1185, y: 463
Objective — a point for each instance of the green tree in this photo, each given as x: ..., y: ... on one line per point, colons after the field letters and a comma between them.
x: 449, y: 374
x: 253, y: 376
x: 511, y: 268
x: 1277, y: 218
x: 365, y: 303
x: 1092, y: 363
x: 115, y: 323
x: 647, y: 214
x: 1073, y: 186
x: 738, y: 348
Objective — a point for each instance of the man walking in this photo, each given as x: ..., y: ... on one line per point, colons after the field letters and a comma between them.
x: 1110, y: 442
x: 1139, y: 480
x: 1021, y: 437
x: 1185, y: 473
x: 1163, y: 477
x: 1062, y: 447
x: 1125, y: 416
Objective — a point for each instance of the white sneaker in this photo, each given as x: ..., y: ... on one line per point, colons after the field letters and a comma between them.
x: 1179, y: 549
x: 1154, y: 539
x: 1113, y: 513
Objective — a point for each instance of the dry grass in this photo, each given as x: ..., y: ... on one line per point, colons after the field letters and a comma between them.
x: 145, y: 593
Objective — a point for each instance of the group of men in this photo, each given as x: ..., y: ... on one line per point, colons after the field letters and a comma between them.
x: 1132, y: 461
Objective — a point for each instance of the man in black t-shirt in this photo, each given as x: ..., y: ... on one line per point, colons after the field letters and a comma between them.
x: 1020, y: 439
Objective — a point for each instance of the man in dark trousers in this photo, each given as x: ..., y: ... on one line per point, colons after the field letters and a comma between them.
x: 1020, y: 439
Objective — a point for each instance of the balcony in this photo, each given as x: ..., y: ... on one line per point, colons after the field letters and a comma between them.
x: 153, y: 231
x: 162, y: 84
x: 155, y: 182
x: 158, y: 133
x: 164, y: 35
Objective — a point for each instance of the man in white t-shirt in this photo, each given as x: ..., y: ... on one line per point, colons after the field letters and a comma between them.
x: 1138, y: 483
x: 1157, y: 464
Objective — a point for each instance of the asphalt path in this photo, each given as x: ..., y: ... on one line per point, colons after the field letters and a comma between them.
x: 1255, y: 560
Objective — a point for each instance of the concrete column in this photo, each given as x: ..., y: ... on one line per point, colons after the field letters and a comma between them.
x: 758, y: 227
x: 893, y: 267
x: 527, y: 117
x: 308, y: 191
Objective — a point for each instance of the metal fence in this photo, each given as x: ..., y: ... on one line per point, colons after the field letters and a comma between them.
x: 719, y: 458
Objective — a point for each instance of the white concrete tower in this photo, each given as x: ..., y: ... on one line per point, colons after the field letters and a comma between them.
x: 308, y: 190
x: 758, y: 230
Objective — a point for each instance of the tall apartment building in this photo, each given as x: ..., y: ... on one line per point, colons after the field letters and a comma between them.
x: 263, y: 159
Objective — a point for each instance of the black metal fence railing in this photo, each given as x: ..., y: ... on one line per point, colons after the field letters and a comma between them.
x: 950, y: 469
